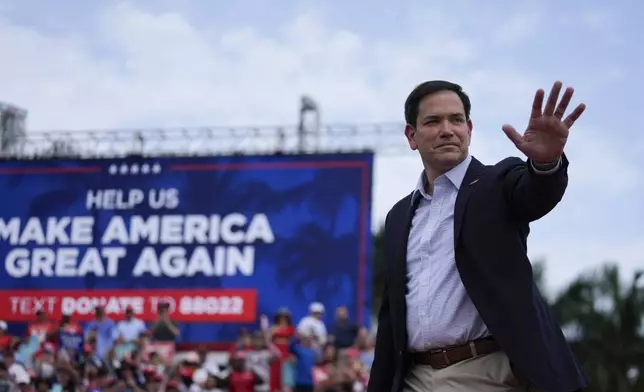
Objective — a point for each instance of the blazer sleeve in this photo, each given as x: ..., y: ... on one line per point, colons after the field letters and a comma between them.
x: 530, y: 194
x: 384, y: 367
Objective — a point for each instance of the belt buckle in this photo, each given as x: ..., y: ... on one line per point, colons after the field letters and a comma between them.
x: 443, y: 351
x: 447, y: 360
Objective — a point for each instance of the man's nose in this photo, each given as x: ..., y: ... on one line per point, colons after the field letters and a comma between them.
x: 446, y: 129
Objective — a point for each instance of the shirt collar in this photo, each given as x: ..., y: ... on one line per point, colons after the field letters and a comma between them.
x: 455, y: 175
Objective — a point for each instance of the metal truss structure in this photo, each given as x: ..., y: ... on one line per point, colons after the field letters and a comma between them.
x: 268, y: 140
x: 308, y: 137
x: 12, y: 126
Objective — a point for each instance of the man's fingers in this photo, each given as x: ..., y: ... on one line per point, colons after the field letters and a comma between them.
x: 574, y: 116
x: 537, y: 104
x: 513, y: 135
x: 565, y: 101
x: 552, y: 99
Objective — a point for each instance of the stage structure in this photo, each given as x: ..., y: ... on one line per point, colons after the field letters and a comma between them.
x: 308, y: 136
x: 12, y: 129
x: 223, y: 224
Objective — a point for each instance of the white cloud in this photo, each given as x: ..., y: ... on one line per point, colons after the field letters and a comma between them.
x: 597, y: 19
x: 519, y: 27
x: 602, y: 164
x: 141, y: 68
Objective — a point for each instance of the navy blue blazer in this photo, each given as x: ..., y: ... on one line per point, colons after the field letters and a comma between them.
x: 494, y: 207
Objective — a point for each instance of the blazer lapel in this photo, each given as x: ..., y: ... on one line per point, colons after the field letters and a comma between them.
x: 399, y: 267
x: 403, y: 237
x: 474, y: 171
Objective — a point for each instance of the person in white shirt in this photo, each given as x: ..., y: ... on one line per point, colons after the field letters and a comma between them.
x: 131, y: 328
x: 312, y: 325
x: 17, y: 371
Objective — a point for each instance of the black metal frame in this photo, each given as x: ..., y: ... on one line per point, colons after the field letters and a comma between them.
x: 209, y: 141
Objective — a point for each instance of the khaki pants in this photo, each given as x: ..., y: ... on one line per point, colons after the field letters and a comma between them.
x: 487, y: 373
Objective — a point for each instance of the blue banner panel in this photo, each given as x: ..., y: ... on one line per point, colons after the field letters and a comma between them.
x: 221, y: 239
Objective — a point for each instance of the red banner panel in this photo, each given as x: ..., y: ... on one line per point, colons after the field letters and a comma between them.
x: 229, y: 305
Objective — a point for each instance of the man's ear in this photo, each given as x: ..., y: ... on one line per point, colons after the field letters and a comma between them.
x: 410, y: 134
x: 470, y: 125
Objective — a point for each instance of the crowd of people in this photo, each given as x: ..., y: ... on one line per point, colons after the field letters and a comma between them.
x: 130, y: 356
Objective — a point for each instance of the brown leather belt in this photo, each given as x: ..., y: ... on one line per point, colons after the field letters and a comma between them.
x: 444, y: 357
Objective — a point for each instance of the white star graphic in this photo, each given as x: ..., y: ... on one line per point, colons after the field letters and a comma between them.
x: 124, y: 169
x: 113, y: 169
x: 156, y: 168
x: 134, y: 169
x: 145, y: 168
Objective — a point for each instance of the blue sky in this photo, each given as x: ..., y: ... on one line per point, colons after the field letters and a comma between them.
x: 113, y: 64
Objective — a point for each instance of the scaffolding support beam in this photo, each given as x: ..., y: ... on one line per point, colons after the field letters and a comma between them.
x: 383, y: 138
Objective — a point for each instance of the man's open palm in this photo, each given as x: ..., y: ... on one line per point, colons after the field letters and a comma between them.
x: 545, y: 137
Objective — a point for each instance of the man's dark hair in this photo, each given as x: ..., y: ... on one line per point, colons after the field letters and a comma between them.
x: 429, y: 88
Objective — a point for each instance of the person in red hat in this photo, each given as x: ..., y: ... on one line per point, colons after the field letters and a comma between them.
x: 153, y: 380
x: 129, y: 329
x: 42, y: 327
x: 7, y: 342
x: 172, y: 386
x: 241, y: 378
x: 164, y: 329
x: 70, y: 337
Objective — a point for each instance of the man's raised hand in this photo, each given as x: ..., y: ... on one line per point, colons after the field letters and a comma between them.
x: 547, y: 132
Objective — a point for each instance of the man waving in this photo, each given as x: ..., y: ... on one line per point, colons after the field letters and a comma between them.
x: 461, y: 311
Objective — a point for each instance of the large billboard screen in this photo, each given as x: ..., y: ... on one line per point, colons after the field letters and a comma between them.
x: 221, y: 239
